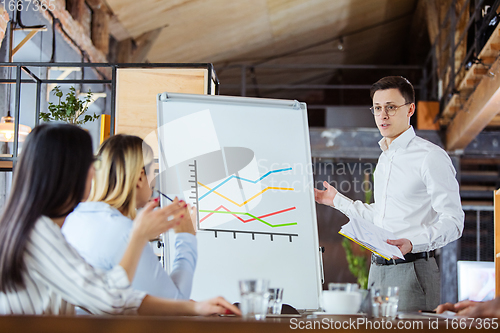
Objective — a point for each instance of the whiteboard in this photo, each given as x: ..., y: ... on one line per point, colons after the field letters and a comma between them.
x: 245, y: 164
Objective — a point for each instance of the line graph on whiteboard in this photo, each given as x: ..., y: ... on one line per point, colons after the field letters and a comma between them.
x: 237, y: 183
x: 240, y: 203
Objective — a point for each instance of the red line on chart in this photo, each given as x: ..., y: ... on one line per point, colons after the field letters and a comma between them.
x: 249, y: 220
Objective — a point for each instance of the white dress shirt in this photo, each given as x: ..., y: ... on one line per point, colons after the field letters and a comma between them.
x: 100, y: 233
x: 416, y: 194
x: 57, y: 278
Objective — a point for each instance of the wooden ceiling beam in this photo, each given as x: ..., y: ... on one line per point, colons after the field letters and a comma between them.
x: 96, y: 4
x: 488, y: 60
x: 115, y: 27
x: 495, y: 46
x: 480, y: 71
x: 480, y: 109
x: 144, y: 44
x: 473, y: 77
x: 76, y: 9
x: 461, y: 49
x: 471, y: 82
x: 74, y: 30
x: 124, y: 53
x: 4, y: 21
x: 496, y: 121
x: 432, y: 20
x: 100, y: 29
x: 117, y: 30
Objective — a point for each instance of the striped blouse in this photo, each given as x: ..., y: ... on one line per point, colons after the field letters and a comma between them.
x: 57, y: 278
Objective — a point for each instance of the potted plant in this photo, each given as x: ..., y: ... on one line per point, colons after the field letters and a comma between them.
x: 71, y: 110
x: 358, y: 264
x: 357, y: 257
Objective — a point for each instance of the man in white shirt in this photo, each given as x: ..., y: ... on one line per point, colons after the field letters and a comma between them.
x: 416, y: 197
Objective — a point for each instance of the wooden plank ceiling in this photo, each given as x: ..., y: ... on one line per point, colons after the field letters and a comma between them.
x: 227, y: 32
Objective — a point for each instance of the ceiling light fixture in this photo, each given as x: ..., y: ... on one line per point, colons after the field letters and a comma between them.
x: 340, y: 45
x: 7, y: 129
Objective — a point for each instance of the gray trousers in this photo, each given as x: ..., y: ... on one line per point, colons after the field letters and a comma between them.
x: 419, y: 283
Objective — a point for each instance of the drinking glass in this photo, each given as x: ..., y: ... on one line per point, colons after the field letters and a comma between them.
x: 275, y: 301
x: 385, y: 302
x: 254, y: 298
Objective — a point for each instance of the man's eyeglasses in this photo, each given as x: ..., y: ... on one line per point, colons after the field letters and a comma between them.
x: 390, y: 110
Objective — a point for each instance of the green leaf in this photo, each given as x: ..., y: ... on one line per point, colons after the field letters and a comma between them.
x: 70, y: 109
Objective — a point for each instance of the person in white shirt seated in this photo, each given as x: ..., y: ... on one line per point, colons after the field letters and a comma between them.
x: 99, y: 228
x: 40, y: 273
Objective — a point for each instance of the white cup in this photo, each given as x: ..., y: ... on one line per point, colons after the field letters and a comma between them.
x: 343, y: 286
x: 341, y: 302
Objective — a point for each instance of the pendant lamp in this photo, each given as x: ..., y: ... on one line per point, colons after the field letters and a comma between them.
x: 7, y: 129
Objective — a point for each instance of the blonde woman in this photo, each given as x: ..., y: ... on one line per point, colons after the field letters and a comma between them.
x: 40, y: 273
x: 99, y: 228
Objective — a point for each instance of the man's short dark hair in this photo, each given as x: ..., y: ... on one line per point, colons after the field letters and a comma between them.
x: 395, y: 82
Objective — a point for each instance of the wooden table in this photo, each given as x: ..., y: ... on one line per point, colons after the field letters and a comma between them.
x: 98, y: 324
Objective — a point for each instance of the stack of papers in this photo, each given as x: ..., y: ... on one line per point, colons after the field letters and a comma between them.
x: 371, y: 237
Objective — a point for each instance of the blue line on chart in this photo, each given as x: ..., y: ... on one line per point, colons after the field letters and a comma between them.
x: 247, y: 180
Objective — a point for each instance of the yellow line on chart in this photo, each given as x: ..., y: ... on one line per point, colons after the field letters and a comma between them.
x: 255, y: 196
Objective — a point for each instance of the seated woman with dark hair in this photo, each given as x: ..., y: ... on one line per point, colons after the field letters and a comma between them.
x: 40, y: 273
x: 100, y: 227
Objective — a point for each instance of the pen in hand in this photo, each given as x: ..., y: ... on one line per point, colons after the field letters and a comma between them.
x: 166, y: 196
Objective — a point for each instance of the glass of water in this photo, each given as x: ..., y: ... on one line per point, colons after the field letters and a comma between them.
x: 385, y: 302
x: 275, y: 301
x: 254, y: 298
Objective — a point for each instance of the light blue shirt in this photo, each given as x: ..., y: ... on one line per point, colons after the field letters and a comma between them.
x: 101, y: 233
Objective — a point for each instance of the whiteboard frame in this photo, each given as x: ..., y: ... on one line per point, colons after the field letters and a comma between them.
x: 258, y: 102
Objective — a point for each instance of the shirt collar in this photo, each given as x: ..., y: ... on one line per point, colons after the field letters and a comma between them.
x: 401, y: 141
x: 47, y: 220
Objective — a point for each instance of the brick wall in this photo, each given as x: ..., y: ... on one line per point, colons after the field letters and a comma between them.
x: 75, y: 31
x: 80, y: 34
x: 4, y: 20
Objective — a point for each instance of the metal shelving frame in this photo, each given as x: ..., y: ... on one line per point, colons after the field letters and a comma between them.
x: 21, y: 67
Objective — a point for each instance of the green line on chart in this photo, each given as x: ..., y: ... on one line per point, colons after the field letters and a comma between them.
x: 252, y: 216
